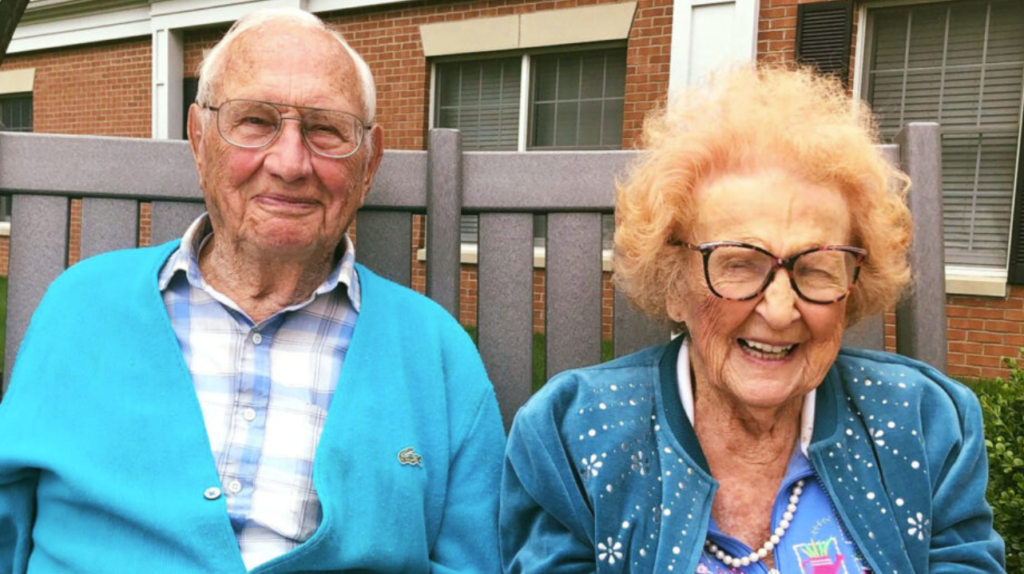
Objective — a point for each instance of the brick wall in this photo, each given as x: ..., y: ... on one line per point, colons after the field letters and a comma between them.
x: 982, y: 330
x: 98, y: 89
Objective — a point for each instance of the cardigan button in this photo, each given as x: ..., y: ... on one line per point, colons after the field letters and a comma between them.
x: 212, y: 493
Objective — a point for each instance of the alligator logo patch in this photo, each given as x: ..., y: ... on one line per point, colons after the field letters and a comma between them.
x: 408, y: 456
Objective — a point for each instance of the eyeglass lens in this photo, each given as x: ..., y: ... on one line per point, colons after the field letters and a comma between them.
x: 254, y: 124
x: 737, y: 272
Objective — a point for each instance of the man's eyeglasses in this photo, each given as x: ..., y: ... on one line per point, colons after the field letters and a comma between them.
x: 739, y: 272
x: 255, y: 124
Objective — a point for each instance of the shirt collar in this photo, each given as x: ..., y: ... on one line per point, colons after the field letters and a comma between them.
x: 185, y: 260
x: 686, y: 397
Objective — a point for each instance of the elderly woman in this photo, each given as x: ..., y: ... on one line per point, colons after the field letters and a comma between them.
x: 760, y: 222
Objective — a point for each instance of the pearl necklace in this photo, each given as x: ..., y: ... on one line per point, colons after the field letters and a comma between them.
x: 770, y: 544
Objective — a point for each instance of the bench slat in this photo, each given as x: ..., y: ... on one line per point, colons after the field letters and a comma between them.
x: 444, y: 210
x: 573, y: 291
x: 633, y: 330
x: 108, y: 224
x: 384, y: 243
x: 869, y: 333
x: 505, y: 306
x: 172, y: 218
x: 38, y: 255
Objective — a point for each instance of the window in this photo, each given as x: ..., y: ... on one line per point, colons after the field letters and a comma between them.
x: 16, y: 116
x: 16, y: 112
x: 960, y: 64
x: 574, y: 101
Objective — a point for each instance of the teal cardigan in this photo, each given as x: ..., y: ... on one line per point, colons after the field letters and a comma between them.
x: 604, y: 472
x: 104, y: 457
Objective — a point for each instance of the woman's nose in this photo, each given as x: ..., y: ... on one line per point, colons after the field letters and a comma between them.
x: 778, y: 304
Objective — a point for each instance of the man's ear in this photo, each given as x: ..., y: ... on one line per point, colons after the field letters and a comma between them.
x: 376, y: 137
x: 195, y: 133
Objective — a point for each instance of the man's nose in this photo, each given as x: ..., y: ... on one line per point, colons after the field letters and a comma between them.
x: 288, y: 157
x: 778, y: 305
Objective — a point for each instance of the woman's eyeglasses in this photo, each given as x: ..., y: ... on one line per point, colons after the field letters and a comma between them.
x: 739, y: 271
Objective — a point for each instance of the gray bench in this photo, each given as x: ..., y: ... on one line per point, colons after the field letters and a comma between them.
x: 113, y: 175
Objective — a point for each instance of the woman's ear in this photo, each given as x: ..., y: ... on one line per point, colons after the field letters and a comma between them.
x: 676, y: 302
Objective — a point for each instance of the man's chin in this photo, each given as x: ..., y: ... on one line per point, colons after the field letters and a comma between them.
x: 296, y: 245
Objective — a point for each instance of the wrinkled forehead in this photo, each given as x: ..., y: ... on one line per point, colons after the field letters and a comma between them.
x: 284, y: 57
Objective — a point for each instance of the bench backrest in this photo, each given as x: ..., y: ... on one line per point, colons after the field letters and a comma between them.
x: 112, y: 176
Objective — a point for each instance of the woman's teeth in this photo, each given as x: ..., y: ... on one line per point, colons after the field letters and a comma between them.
x: 765, y: 351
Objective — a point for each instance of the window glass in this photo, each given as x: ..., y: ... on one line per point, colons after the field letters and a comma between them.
x: 16, y: 112
x: 480, y: 98
x: 960, y: 64
x: 577, y: 100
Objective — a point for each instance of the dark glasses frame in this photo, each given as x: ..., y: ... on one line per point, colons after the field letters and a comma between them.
x: 787, y: 263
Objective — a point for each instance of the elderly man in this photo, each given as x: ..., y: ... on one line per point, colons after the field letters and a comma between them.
x: 251, y: 398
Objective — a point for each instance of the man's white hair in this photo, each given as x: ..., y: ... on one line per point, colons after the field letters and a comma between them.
x: 212, y: 64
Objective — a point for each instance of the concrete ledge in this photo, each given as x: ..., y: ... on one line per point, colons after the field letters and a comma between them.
x: 5, y: 228
x: 533, y: 30
x: 576, y: 25
x: 974, y: 281
x: 467, y: 36
x: 17, y: 81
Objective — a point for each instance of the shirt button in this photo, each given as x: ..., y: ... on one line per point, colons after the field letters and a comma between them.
x: 249, y: 414
x: 212, y: 493
x: 257, y: 338
x: 235, y: 487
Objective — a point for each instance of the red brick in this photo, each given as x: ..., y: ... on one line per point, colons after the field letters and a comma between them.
x: 991, y: 373
x: 969, y: 324
x: 1015, y: 340
x: 956, y: 311
x: 984, y: 313
x: 964, y: 371
x: 1003, y: 326
x: 983, y: 361
x: 1013, y: 315
x: 1000, y: 351
x: 962, y: 347
x: 956, y: 335
x: 983, y: 337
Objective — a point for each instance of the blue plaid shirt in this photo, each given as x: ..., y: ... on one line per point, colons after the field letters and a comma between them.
x: 264, y: 389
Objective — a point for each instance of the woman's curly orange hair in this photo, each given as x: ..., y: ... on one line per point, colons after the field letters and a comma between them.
x: 748, y: 118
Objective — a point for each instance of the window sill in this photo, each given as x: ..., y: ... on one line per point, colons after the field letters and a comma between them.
x: 468, y: 256
x: 5, y: 228
x: 983, y: 282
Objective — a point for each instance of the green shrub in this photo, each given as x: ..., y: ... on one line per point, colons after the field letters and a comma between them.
x: 1002, y: 403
